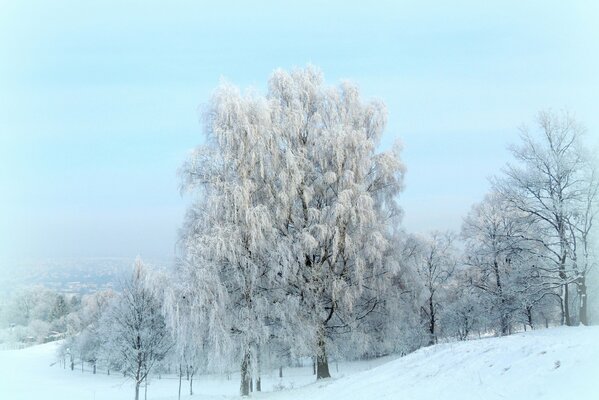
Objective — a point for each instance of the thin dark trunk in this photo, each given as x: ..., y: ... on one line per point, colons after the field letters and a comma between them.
x: 94, y: 371
x: 280, y: 372
x: 245, y: 375
x: 529, y: 316
x: 431, y: 328
x: 180, y: 378
x: 146, y: 388
x: 582, y: 295
x: 322, y: 363
x: 505, y: 328
x: 191, y: 385
x: 136, y: 390
x: 566, y: 299
x: 258, y: 371
x: 562, y: 275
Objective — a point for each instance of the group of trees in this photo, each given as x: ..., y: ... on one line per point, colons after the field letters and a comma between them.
x: 124, y: 331
x: 36, y: 315
x: 292, y: 242
x: 292, y: 248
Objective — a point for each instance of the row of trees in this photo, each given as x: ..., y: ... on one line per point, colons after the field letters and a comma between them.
x: 292, y: 246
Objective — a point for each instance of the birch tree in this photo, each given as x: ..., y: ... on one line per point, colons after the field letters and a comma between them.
x: 337, y: 202
x: 228, y: 241
x: 290, y: 224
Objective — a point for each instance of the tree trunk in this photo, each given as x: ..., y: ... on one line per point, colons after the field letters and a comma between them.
x: 505, y: 326
x: 180, y: 378
x: 322, y: 363
x: 431, y: 327
x: 280, y: 372
x: 258, y: 371
x: 94, y: 368
x: 582, y: 295
x: 245, y: 375
x: 136, y: 390
x: 565, y: 305
x: 565, y: 295
x: 504, y: 317
x: 191, y: 385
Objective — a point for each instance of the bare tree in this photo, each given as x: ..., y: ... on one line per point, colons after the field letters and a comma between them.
x: 553, y: 183
x: 435, y: 262
x: 138, y: 335
x: 503, y: 259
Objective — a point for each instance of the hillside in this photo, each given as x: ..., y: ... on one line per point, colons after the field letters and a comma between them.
x: 556, y: 363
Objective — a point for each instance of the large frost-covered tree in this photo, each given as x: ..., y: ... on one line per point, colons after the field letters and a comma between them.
x: 555, y: 182
x: 294, y: 205
x: 337, y: 202
x: 228, y: 240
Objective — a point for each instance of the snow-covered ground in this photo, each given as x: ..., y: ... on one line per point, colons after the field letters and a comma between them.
x: 559, y: 363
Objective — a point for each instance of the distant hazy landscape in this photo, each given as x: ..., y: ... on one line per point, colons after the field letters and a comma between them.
x: 68, y: 276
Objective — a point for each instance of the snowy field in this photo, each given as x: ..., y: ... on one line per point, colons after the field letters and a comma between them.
x: 559, y: 363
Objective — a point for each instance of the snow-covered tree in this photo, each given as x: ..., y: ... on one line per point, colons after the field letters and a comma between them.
x: 434, y: 260
x: 554, y: 182
x: 502, y: 258
x: 228, y: 238
x: 336, y: 202
x: 464, y: 311
x: 189, y: 331
x: 138, y: 337
x: 292, y: 215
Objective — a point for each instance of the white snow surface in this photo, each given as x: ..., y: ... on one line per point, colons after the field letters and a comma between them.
x: 557, y: 363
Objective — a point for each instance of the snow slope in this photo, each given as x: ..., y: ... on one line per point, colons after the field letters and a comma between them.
x: 559, y: 363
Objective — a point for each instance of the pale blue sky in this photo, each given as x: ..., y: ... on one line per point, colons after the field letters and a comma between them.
x: 99, y: 100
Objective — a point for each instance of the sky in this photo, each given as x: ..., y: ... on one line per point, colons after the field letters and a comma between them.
x: 99, y: 101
